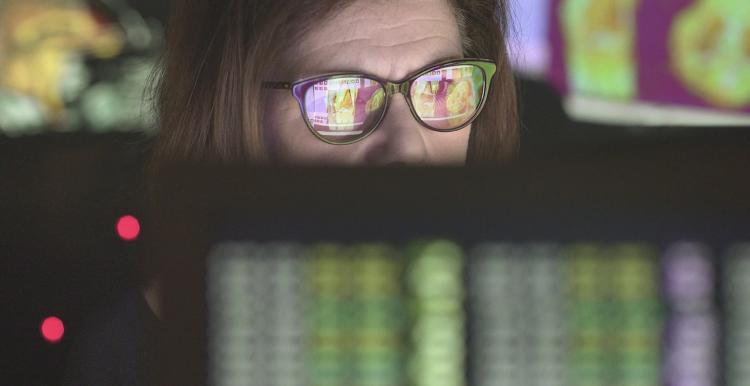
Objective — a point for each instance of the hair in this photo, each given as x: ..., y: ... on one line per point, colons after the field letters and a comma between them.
x: 208, y: 88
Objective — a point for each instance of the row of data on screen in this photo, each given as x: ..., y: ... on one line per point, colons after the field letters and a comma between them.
x: 436, y: 313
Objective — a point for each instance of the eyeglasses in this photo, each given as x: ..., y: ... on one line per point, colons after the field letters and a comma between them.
x: 344, y: 108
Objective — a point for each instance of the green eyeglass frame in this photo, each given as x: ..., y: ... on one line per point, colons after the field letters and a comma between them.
x: 300, y: 87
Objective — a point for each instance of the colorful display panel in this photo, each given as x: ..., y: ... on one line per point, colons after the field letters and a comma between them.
x: 336, y: 315
x: 518, y: 333
x: 67, y: 65
x: 709, y: 52
x: 436, y: 313
x: 600, y: 49
x: 737, y: 305
x: 675, y: 62
x: 692, y: 341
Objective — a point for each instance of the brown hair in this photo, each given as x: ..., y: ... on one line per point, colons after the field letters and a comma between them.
x: 218, y: 52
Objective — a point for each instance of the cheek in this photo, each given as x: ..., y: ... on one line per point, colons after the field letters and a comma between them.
x: 281, y: 116
x: 285, y: 134
x: 288, y: 140
x: 448, y: 148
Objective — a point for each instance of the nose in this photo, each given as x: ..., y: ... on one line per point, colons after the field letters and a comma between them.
x: 399, y: 140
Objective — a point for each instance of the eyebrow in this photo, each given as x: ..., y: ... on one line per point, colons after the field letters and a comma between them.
x: 311, y: 74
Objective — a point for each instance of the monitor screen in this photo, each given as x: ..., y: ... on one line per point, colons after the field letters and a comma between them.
x: 642, y: 62
x: 434, y: 312
x: 71, y: 65
x: 547, y: 275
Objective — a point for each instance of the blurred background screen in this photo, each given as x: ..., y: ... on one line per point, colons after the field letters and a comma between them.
x: 84, y: 65
x: 641, y: 62
x: 77, y: 65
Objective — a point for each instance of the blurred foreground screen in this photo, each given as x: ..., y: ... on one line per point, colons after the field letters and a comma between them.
x: 434, y: 313
x: 548, y: 275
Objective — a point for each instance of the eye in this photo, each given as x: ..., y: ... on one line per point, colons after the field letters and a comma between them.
x: 447, y: 98
x: 343, y: 109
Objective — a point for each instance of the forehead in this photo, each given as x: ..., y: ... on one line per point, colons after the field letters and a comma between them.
x: 389, y: 39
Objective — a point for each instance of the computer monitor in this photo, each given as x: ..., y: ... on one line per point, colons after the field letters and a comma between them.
x: 650, y: 62
x: 573, y: 272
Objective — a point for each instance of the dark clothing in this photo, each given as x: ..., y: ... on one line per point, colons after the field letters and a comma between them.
x: 118, y: 347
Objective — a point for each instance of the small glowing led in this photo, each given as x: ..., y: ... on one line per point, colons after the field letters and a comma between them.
x: 52, y: 329
x: 128, y: 228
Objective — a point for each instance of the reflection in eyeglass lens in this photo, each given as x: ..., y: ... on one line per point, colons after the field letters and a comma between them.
x: 448, y: 97
x: 342, y: 106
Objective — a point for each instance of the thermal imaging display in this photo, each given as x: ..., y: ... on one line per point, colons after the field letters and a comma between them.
x: 451, y: 94
x: 66, y: 65
x: 600, y: 46
x: 345, y: 108
x: 496, y: 313
x: 652, y: 62
x: 341, y: 106
x: 710, y: 51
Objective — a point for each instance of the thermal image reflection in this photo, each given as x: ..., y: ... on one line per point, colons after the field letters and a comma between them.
x: 342, y: 106
x: 448, y: 97
x: 348, y: 106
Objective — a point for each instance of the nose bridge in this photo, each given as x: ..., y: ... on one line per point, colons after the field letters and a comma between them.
x: 397, y: 140
x: 395, y: 88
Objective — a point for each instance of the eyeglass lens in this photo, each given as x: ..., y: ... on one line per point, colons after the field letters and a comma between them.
x: 343, y: 109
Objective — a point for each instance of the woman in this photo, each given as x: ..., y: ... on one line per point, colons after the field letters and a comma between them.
x: 213, y: 104
x: 248, y: 80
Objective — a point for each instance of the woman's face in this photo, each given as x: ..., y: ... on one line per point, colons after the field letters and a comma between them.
x: 388, y: 39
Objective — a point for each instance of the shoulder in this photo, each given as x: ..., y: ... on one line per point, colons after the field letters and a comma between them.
x: 113, y: 346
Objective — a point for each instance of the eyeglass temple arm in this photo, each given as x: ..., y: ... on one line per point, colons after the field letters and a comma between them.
x: 277, y: 85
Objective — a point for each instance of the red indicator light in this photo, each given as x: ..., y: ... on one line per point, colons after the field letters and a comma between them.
x: 128, y: 228
x: 52, y: 329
